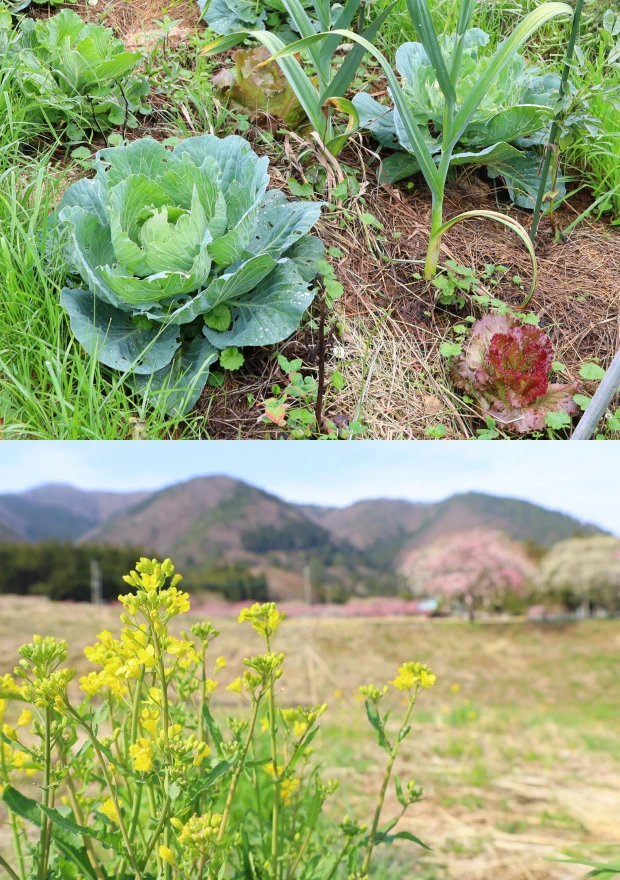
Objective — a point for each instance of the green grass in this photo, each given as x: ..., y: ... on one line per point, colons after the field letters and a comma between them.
x: 49, y: 388
x: 598, y: 158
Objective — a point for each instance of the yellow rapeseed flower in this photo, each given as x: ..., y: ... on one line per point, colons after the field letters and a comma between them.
x: 220, y: 663
x: 412, y: 675
x: 149, y: 719
x: 299, y: 728
x: 108, y: 809
x: 201, y: 754
x: 265, y: 618
x: 288, y: 787
x: 155, y: 695
x: 235, y: 686
x: 25, y: 718
x: 166, y: 855
x: 142, y: 755
x: 146, y: 656
x: 7, y: 684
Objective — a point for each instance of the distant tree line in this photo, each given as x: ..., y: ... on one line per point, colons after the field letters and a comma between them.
x: 62, y: 571
x: 235, y: 583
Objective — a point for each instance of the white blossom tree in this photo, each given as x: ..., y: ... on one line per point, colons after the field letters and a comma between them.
x: 586, y: 567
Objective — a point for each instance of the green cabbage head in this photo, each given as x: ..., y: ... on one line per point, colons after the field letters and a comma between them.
x: 175, y: 255
x: 512, y: 118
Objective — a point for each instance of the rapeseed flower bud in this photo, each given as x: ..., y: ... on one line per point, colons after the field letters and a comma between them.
x: 263, y: 669
x: 204, y: 631
x: 199, y: 834
x: 373, y: 693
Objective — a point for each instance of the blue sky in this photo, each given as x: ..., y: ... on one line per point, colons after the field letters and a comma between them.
x: 579, y: 478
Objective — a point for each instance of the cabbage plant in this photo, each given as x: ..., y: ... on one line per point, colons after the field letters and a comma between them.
x: 434, y: 158
x: 228, y: 16
x: 511, y: 118
x: 183, y: 254
x: 78, y: 76
x: 319, y: 84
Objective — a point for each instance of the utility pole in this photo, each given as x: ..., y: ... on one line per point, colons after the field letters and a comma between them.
x: 96, y: 592
x: 307, y: 585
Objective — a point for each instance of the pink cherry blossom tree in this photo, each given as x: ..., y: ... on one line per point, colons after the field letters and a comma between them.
x: 475, y: 567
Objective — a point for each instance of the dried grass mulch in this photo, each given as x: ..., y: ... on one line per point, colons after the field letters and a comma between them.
x: 396, y: 379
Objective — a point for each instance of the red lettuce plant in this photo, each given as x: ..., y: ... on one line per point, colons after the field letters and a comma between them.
x: 505, y: 368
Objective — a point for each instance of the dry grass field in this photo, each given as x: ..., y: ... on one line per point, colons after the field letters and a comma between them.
x: 517, y: 747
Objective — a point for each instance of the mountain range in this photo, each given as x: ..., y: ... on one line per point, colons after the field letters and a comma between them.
x: 214, y: 521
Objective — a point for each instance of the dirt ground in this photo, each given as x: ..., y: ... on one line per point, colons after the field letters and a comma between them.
x: 517, y: 747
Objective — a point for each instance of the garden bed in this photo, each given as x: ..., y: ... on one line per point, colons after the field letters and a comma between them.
x: 391, y: 336
x: 396, y: 378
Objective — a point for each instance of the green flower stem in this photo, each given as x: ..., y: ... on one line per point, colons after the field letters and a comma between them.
x: 133, y: 825
x: 17, y: 844
x: 256, y: 787
x: 203, y: 698
x: 79, y: 818
x: 166, y: 725
x: 238, y: 770
x: 341, y: 856
x: 276, y: 790
x: 201, y: 865
x: 275, y: 871
x: 300, y: 854
x: 46, y: 824
x: 112, y: 792
x: 386, y: 779
x: 137, y: 792
x: 8, y: 869
x: 135, y: 711
x: 158, y: 830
